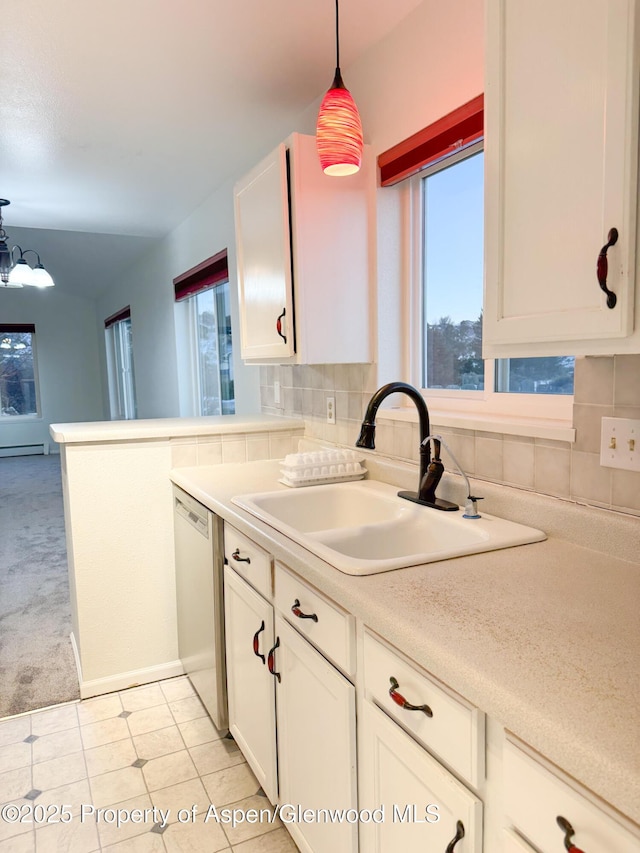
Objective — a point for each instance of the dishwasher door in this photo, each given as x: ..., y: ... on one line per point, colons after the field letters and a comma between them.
x: 199, y: 593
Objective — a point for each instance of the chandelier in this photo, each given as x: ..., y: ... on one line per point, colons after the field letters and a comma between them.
x: 15, y: 271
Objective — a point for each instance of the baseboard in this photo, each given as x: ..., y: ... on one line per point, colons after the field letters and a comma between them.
x: 39, y: 449
x: 134, y: 678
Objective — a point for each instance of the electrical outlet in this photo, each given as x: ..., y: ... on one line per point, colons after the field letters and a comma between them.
x: 620, y: 443
x: 276, y: 393
x: 331, y: 410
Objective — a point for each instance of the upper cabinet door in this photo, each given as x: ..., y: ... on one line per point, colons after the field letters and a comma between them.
x: 561, y: 152
x: 264, y: 259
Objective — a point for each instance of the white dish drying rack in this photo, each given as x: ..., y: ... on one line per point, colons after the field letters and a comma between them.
x: 321, y: 466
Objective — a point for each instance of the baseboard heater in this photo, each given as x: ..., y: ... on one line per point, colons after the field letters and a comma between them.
x: 24, y: 449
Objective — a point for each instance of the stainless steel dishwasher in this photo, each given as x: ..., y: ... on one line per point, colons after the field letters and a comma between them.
x: 199, y: 573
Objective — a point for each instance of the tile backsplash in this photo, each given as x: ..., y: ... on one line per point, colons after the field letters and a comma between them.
x: 604, y: 387
x: 233, y: 447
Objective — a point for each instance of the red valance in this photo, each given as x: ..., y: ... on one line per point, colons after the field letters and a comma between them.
x: 208, y: 274
x: 456, y: 130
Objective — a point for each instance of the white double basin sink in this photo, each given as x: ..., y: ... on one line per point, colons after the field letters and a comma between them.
x: 363, y: 527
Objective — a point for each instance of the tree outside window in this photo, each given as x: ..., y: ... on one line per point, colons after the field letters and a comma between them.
x: 18, y: 386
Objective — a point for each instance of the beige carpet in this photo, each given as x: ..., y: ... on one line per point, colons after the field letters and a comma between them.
x: 36, y: 659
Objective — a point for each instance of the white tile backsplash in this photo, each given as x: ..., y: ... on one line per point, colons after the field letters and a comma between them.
x: 604, y: 386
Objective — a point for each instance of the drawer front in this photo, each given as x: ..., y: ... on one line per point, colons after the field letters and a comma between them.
x: 332, y: 631
x: 535, y: 797
x: 248, y: 559
x: 455, y: 729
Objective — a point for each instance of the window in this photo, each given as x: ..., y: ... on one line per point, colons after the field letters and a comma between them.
x: 19, y: 394
x: 444, y: 164
x: 203, y: 293
x: 452, y: 205
x: 122, y: 395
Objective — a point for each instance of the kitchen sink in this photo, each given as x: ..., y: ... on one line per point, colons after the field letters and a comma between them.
x: 362, y: 528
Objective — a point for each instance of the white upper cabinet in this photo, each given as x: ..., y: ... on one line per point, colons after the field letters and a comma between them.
x: 264, y: 259
x: 304, y: 259
x: 561, y: 154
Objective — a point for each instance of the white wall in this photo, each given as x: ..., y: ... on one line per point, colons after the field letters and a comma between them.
x: 429, y: 65
x: 147, y: 287
x: 68, y: 360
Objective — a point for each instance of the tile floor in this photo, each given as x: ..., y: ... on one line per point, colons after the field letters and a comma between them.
x: 139, y: 751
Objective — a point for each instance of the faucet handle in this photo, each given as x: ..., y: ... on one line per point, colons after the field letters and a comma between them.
x: 471, y: 507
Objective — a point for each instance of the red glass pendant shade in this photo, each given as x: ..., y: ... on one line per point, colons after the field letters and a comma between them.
x: 339, y: 131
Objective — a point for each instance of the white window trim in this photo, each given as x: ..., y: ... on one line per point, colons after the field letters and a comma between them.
x: 192, y: 355
x: 534, y: 415
x: 122, y: 402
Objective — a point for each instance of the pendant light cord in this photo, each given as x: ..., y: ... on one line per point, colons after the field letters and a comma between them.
x: 337, y: 40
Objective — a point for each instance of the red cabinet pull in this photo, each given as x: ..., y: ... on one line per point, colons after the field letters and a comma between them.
x: 279, y: 325
x: 256, y: 643
x: 295, y: 609
x: 459, y: 834
x: 236, y: 556
x: 271, y: 660
x: 569, y: 832
x: 399, y: 699
x: 602, y: 268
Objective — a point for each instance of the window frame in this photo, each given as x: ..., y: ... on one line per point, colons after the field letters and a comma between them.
x: 123, y: 404
x: 194, y: 354
x: 207, y: 275
x: 25, y: 328
x: 544, y: 415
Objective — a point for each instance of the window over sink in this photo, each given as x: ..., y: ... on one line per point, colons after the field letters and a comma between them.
x: 445, y: 205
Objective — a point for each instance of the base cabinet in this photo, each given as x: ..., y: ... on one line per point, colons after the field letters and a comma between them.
x: 291, y: 655
x: 551, y: 814
x: 316, y: 745
x: 415, y: 804
x: 251, y: 688
x: 292, y: 713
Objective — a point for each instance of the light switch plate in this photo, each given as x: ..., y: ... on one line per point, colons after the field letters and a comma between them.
x: 620, y: 443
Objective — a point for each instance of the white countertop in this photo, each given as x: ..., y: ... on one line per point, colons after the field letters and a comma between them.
x: 544, y: 638
x: 154, y: 428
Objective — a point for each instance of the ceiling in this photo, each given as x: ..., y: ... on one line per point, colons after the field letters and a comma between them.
x: 120, y: 118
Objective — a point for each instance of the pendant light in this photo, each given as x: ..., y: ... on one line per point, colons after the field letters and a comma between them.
x: 339, y: 129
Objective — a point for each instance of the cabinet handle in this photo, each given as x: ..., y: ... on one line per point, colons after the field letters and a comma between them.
x: 271, y: 660
x: 569, y: 832
x: 399, y: 699
x: 279, y: 325
x: 297, y: 612
x: 459, y: 834
x: 603, y: 268
x: 256, y: 642
x: 236, y: 556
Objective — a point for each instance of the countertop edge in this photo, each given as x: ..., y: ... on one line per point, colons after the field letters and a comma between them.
x: 98, y: 432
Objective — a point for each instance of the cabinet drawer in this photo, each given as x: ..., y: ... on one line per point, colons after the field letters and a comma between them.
x: 248, y: 559
x: 332, y: 630
x: 455, y: 730
x: 535, y: 797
